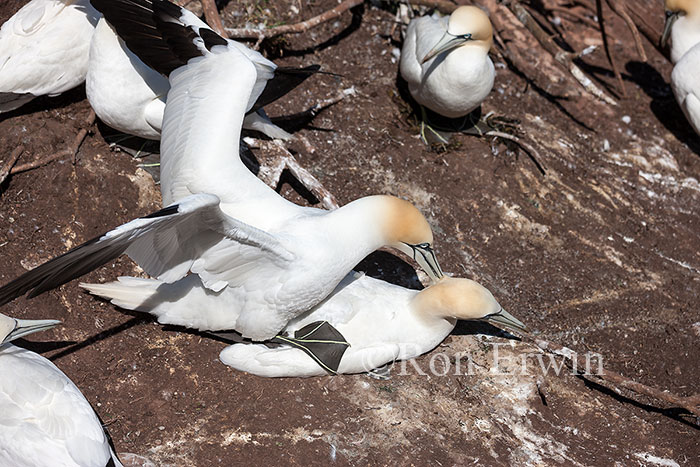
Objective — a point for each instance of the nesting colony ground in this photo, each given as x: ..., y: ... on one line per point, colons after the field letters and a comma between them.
x: 601, y: 254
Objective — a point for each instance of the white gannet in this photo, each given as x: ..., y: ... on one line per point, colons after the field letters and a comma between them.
x: 445, y: 61
x: 44, y: 50
x: 382, y: 322
x: 129, y: 95
x: 683, y: 26
x: 44, y: 418
x: 268, y: 258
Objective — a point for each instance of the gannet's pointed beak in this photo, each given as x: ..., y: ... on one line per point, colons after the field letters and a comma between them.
x: 24, y: 327
x: 503, y: 318
x: 425, y: 257
x: 447, y: 42
x: 671, y: 18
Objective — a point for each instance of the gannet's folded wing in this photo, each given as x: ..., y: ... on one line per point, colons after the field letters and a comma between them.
x: 165, y: 244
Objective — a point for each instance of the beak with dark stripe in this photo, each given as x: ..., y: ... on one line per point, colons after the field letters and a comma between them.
x: 424, y: 255
x: 671, y: 17
x: 24, y: 327
x: 504, y: 319
x: 447, y: 42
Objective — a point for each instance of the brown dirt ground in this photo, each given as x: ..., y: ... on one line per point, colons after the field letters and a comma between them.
x: 601, y: 254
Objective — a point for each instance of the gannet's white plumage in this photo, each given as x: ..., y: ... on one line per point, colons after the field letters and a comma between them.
x: 44, y: 418
x: 44, y: 50
x: 381, y: 321
x: 130, y: 96
x: 683, y: 25
x: 445, y: 61
x: 267, y: 257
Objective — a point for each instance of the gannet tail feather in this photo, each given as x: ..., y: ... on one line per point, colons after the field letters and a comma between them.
x: 130, y: 293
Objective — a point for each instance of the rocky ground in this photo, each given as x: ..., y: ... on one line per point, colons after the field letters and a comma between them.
x: 600, y: 254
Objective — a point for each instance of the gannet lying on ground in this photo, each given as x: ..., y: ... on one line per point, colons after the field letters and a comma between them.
x: 445, y: 61
x: 382, y: 322
x: 683, y: 26
x: 44, y: 418
x: 44, y: 50
x: 266, y: 257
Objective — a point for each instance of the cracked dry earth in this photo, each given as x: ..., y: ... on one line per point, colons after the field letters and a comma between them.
x: 600, y: 255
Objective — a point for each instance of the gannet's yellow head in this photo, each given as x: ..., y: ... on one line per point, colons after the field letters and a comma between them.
x: 406, y: 229
x: 675, y: 9
x: 11, y: 328
x: 467, y: 26
x: 453, y: 298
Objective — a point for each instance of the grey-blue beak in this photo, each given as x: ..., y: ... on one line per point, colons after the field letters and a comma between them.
x: 447, y: 42
x: 24, y: 327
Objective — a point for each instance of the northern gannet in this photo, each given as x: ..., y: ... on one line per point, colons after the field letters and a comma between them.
x: 45, y: 419
x: 263, y: 255
x: 129, y: 95
x: 44, y: 50
x: 683, y: 26
x: 445, y: 61
x: 382, y: 322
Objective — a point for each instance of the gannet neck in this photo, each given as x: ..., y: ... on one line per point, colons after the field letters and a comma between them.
x: 455, y: 299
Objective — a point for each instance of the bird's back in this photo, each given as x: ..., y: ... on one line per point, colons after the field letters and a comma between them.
x: 421, y: 36
x: 44, y: 47
x: 44, y: 418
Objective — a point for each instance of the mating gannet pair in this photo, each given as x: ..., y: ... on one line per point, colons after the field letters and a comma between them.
x: 44, y: 50
x: 683, y: 27
x: 263, y: 256
x: 380, y: 321
x: 44, y: 418
x: 445, y: 61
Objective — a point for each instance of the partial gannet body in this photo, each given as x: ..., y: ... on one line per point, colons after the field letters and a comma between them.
x: 382, y: 322
x: 683, y: 25
x: 130, y: 96
x: 45, y: 419
x: 445, y: 61
x: 268, y: 258
x: 44, y: 50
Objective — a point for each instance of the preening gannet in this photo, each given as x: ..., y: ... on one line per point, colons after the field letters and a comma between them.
x: 45, y: 421
x: 44, y: 50
x: 445, y: 61
x: 683, y: 26
x: 129, y: 95
x: 267, y: 257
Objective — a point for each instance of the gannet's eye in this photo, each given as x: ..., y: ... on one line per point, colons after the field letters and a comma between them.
x: 466, y: 37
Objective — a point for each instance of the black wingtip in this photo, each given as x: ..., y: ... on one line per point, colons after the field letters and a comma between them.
x: 321, y: 341
x: 284, y: 81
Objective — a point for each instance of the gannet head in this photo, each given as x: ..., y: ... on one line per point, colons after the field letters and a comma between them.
x: 675, y: 9
x: 453, y: 298
x: 468, y: 25
x: 405, y: 228
x: 11, y: 328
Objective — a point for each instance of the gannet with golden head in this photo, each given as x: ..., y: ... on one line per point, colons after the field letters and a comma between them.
x: 45, y: 419
x: 44, y: 50
x: 683, y: 26
x: 381, y: 322
x: 263, y: 256
x: 445, y: 61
